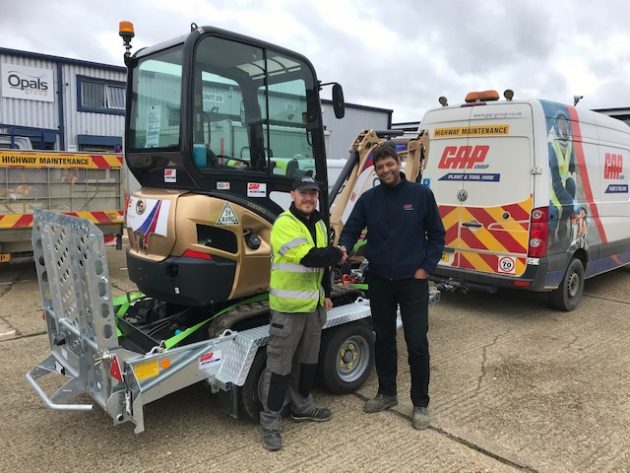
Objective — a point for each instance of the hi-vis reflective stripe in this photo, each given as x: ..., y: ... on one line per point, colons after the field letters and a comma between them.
x: 40, y: 159
x: 291, y: 244
x: 293, y: 268
x: 99, y: 218
x: 482, y: 236
x: 322, y: 226
x: 302, y: 295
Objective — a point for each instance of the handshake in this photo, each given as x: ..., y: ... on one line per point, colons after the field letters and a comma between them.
x: 344, y: 254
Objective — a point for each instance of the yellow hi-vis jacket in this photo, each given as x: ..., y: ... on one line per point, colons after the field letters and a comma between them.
x: 293, y: 286
x: 563, y: 156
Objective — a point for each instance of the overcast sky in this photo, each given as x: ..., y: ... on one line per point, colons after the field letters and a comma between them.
x: 397, y: 54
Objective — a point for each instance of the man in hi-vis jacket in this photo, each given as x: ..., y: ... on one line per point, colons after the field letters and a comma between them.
x: 299, y: 296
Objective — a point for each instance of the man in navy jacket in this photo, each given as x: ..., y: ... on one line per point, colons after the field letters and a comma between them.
x: 405, y: 241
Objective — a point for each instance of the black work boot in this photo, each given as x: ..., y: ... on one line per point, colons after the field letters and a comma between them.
x: 272, y: 440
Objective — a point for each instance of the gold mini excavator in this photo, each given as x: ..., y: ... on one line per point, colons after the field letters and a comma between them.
x: 218, y: 126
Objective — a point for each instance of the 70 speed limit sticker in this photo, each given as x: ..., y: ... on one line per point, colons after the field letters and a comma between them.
x: 507, y: 264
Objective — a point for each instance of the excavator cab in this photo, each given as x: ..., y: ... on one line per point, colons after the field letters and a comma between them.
x: 218, y: 125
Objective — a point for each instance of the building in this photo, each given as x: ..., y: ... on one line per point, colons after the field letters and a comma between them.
x: 60, y: 103
x: 340, y: 134
x: 74, y: 105
x: 622, y: 113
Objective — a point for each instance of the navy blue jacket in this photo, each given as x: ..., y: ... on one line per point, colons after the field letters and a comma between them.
x: 405, y: 231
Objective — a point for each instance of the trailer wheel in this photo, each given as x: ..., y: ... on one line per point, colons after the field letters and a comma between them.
x: 569, y: 293
x: 251, y: 390
x: 346, y: 357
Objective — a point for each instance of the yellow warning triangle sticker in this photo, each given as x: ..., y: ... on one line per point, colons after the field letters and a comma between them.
x: 227, y: 217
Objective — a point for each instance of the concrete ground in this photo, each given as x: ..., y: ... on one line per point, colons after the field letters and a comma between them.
x: 515, y: 387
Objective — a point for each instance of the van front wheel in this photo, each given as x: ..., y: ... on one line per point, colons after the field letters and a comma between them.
x: 569, y: 293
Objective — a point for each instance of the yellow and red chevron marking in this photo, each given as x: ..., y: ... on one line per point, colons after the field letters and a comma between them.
x: 41, y: 159
x: 489, y: 263
x: 504, y: 231
x: 8, y: 221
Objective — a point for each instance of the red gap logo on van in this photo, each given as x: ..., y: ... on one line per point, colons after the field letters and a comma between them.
x: 613, y: 166
x: 613, y: 171
x: 464, y: 157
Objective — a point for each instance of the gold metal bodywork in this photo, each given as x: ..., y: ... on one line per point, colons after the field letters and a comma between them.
x: 187, y: 210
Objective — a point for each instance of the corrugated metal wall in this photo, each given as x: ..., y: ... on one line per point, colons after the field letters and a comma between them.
x: 88, y: 123
x: 31, y: 113
x: 344, y: 131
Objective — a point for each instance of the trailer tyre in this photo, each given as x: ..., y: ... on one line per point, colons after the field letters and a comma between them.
x: 251, y: 390
x: 567, y: 296
x: 346, y: 357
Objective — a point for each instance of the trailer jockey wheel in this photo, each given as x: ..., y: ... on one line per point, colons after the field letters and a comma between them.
x: 346, y: 357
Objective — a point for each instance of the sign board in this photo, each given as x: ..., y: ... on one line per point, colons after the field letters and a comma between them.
x: 28, y: 83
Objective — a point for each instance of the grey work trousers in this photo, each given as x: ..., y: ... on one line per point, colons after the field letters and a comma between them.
x: 292, y: 352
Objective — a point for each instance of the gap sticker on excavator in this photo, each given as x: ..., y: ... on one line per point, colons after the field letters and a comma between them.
x: 256, y: 189
x: 170, y: 175
x: 227, y: 217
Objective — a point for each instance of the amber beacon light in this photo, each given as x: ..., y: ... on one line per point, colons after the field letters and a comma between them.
x: 125, y: 31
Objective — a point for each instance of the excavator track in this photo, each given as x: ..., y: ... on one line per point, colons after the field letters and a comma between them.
x: 254, y: 314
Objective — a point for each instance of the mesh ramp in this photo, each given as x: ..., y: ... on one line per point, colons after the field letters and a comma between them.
x: 74, y: 285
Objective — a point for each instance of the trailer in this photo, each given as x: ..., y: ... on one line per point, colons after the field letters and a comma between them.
x: 122, y: 368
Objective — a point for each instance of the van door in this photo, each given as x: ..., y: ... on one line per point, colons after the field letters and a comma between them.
x: 480, y: 170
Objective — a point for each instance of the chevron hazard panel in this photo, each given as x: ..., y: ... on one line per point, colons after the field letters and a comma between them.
x: 487, y: 239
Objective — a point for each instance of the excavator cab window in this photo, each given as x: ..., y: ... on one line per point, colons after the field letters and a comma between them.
x: 154, y: 124
x: 219, y: 109
x: 251, y: 110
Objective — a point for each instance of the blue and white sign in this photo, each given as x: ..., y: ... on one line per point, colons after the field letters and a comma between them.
x: 472, y: 177
x: 617, y: 189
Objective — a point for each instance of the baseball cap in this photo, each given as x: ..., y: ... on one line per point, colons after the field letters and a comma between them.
x: 305, y: 183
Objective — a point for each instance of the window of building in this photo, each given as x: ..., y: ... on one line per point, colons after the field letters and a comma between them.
x: 100, y: 96
x: 19, y: 137
x: 99, y: 144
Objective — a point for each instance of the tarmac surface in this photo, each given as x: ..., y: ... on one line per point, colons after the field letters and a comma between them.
x: 515, y: 386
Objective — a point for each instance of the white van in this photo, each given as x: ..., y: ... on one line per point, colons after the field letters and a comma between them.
x: 533, y: 194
